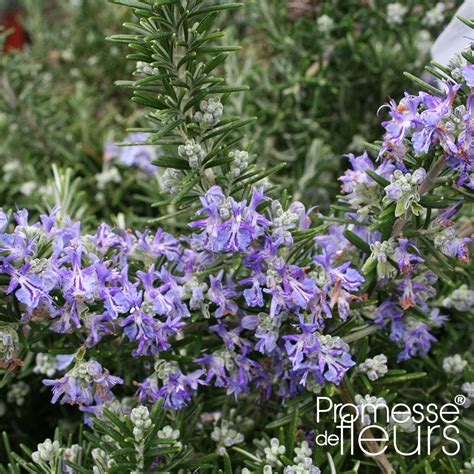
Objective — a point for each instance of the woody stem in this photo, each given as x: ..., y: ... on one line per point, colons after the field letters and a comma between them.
x: 371, y: 444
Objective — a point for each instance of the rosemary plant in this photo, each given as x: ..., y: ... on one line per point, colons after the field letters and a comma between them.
x: 211, y: 343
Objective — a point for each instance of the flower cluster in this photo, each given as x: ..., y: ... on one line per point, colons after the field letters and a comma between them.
x: 84, y: 284
x: 374, y: 367
x: 210, y: 113
x: 427, y: 122
x: 419, y: 127
x: 84, y: 384
x: 268, y: 316
x: 50, y: 456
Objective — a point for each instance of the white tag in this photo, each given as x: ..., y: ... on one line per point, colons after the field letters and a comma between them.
x: 455, y: 37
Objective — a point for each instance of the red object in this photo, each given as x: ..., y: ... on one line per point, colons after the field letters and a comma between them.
x: 17, y: 37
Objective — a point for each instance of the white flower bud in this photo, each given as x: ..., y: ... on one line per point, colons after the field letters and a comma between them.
x: 461, y: 299
x: 435, y: 16
x: 273, y: 451
x: 454, y: 364
x: 17, y: 393
x: 395, y: 13
x: 325, y: 24
x: 45, y: 364
x: 210, y: 113
x: 46, y: 451
x: 192, y: 152
x: 302, y: 452
x: 374, y: 368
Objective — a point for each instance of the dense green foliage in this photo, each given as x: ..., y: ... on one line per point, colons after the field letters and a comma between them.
x: 313, y: 91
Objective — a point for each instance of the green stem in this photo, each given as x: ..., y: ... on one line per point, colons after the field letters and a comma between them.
x: 425, y: 187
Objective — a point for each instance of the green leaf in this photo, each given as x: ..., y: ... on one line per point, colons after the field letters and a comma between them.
x: 127, y: 39
x: 247, y: 454
x: 403, y: 378
x: 215, y: 8
x: 200, y: 461
x: 290, y: 442
x: 166, y: 130
x: 357, y: 241
x: 227, y: 89
x: 435, y: 202
x: 219, y: 161
x: 186, y: 189
x: 214, y: 62
x: 161, y: 3
x: 377, y: 178
x: 424, y: 85
x: 153, y: 103
x: 207, y: 22
x: 466, y: 21
x: 196, y: 99
x: 171, y: 162
x: 261, y: 175
x: 227, y: 464
x: 132, y: 4
x: 77, y: 468
x: 229, y: 127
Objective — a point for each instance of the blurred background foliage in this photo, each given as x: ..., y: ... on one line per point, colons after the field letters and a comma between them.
x: 317, y: 71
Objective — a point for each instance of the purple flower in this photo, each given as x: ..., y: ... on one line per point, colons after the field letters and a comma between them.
x: 14, y: 248
x: 444, y: 217
x: 231, y: 337
x: 220, y: 294
x: 139, y: 155
x: 254, y: 295
x: 3, y: 221
x: 230, y: 226
x: 453, y: 246
x: 358, y: 186
x: 468, y: 74
x: 229, y: 370
x: 267, y: 332
x: 406, y: 261
x: 424, y: 120
x: 86, y: 383
x: 216, y: 367
x: 333, y: 244
x: 97, y: 326
x: 414, y: 336
x: 416, y: 340
x: 120, y: 242
x: 432, y: 130
x: 169, y: 383
x: 161, y: 244
x: 339, y: 283
x: 31, y: 289
x: 437, y: 319
x: 234, y: 235
x: 141, y: 325
x: 323, y: 357
x: 463, y: 161
x: 404, y: 118
x: 290, y: 288
x: 388, y: 312
x: 356, y: 176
